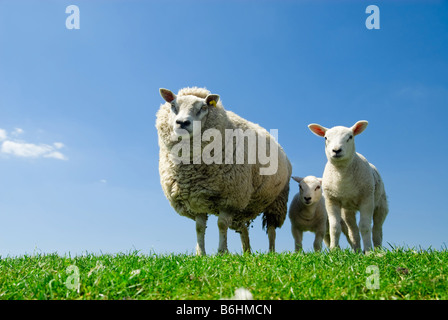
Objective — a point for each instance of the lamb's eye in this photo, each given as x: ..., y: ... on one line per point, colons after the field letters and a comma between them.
x: 173, y: 108
x: 300, y: 187
x: 317, y: 188
x: 351, y: 137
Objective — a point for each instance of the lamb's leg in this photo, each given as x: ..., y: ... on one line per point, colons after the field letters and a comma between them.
x: 327, y: 239
x: 334, y: 221
x: 245, y: 239
x: 365, y: 224
x: 318, y: 240
x: 201, y: 225
x: 297, y: 235
x: 379, y: 216
x: 350, y: 229
x: 224, y: 221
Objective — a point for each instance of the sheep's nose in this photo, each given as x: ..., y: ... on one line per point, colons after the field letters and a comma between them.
x: 307, y: 199
x: 337, y: 151
x: 183, y: 123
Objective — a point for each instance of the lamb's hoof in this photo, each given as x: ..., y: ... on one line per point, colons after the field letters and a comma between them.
x: 223, y: 251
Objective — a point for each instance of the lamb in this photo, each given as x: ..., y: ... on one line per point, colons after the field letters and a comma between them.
x: 350, y: 184
x: 307, y: 212
x: 236, y: 192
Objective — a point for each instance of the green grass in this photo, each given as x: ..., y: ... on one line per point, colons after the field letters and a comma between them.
x: 403, y: 274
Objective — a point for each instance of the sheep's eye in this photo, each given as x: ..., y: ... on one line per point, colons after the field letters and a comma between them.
x: 351, y: 137
x: 204, y: 107
x: 300, y: 187
x: 317, y: 188
x: 173, y: 108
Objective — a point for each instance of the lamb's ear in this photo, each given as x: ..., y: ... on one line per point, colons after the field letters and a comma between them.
x: 212, y: 100
x: 167, y: 95
x: 320, y: 180
x: 359, y: 127
x: 317, y: 129
x: 298, y: 179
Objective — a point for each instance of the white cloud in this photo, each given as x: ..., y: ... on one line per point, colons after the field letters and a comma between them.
x: 3, y: 135
x: 29, y: 150
x: 58, y: 145
x: 17, y: 131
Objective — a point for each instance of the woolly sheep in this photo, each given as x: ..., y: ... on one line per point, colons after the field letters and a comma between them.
x: 350, y: 184
x: 236, y: 193
x: 307, y: 212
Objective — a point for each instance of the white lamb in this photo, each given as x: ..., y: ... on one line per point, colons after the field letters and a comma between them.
x: 350, y: 184
x: 307, y: 212
x: 236, y: 192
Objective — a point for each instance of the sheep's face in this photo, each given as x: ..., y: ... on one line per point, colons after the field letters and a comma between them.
x: 188, y: 111
x: 339, y: 141
x: 310, y: 189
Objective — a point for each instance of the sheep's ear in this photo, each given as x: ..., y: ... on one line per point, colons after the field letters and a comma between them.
x: 317, y: 129
x: 212, y: 100
x: 359, y: 127
x: 320, y: 180
x: 298, y: 179
x: 167, y: 95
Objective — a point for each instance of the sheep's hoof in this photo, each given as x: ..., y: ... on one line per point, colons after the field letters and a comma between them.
x: 223, y: 251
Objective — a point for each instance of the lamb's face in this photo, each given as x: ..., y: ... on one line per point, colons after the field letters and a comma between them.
x: 339, y: 141
x: 188, y: 112
x: 339, y: 144
x: 310, y: 189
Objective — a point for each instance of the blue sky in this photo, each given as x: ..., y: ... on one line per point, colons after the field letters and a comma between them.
x: 78, y: 145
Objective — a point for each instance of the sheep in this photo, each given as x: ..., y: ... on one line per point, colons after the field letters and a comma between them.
x: 236, y: 192
x: 307, y: 212
x: 350, y: 184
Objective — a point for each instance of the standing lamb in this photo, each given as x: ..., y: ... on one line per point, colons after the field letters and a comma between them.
x: 236, y: 192
x: 350, y: 184
x: 307, y: 212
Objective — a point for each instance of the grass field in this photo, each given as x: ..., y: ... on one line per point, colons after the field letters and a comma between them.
x: 384, y: 274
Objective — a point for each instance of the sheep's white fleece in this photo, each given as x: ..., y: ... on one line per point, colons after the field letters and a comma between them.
x: 351, y: 184
x: 237, y: 193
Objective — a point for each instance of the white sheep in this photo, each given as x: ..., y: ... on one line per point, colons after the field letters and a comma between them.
x: 350, y: 184
x: 237, y: 191
x: 307, y: 212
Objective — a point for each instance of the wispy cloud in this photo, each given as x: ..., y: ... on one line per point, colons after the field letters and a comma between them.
x: 20, y: 148
x: 3, y: 135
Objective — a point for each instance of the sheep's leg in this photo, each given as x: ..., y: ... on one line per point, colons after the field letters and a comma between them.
x: 271, y: 237
x: 377, y: 230
x: 318, y: 240
x: 334, y: 220
x: 350, y: 229
x: 224, y: 221
x: 244, y: 234
x: 365, y: 224
x: 327, y: 239
x: 201, y: 225
x: 298, y: 236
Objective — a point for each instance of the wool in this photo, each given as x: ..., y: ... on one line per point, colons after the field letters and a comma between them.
x: 236, y: 193
x: 350, y: 184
